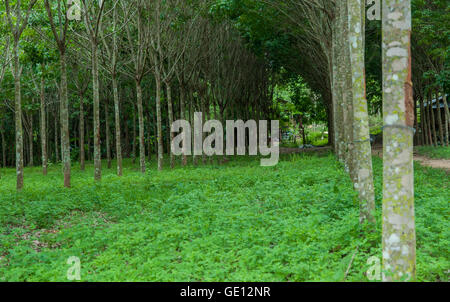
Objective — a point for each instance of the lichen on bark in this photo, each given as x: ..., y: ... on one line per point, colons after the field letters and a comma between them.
x: 399, y: 240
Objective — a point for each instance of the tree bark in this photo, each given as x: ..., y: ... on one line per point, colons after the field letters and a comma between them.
x: 439, y: 118
x: 82, y: 150
x: 141, y: 126
x: 30, y: 140
x: 433, y: 120
x: 108, y: 145
x: 361, y: 133
x: 398, y: 238
x: 158, y: 123
x: 18, y: 116
x: 64, y: 116
x: 43, y: 129
x: 95, y: 87
x: 117, y: 126
x: 170, y: 113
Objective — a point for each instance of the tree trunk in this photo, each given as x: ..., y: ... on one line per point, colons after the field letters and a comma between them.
x: 18, y: 117
x: 433, y: 120
x: 398, y: 238
x: 43, y: 129
x: 30, y: 140
x: 439, y: 118
x: 82, y: 151
x: 158, y: 123
x: 108, y: 146
x: 183, y: 117
x: 361, y: 134
x: 95, y: 88
x: 141, y: 126
x: 117, y: 126
x: 170, y: 113
x: 56, y: 137
x: 64, y: 116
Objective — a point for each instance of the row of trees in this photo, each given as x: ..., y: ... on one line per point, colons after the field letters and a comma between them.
x: 157, y: 61
x: 140, y: 55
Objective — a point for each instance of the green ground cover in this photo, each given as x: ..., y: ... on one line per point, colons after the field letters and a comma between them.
x: 442, y: 152
x: 297, y: 221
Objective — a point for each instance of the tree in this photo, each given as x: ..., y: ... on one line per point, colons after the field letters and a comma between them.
x: 92, y: 15
x: 18, y: 21
x: 59, y: 31
x: 399, y: 240
x: 361, y: 135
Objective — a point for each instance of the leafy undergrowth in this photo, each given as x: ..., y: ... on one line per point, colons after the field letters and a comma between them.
x: 441, y: 152
x: 297, y: 221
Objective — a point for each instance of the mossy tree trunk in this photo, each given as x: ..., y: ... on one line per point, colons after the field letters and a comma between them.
x: 398, y: 238
x: 361, y: 134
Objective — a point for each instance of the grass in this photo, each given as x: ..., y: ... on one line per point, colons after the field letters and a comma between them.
x: 297, y: 221
x: 441, y: 152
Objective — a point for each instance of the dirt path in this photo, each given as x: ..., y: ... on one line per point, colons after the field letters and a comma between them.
x: 424, y: 161
x: 378, y: 151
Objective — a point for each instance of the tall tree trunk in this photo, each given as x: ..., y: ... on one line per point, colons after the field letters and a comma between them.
x: 141, y: 126
x: 95, y: 88
x: 347, y: 95
x: 43, y: 129
x: 30, y: 140
x: 183, y: 117
x: 159, y: 123
x: 108, y: 146
x: 64, y: 116
x: 430, y: 132
x: 170, y: 114
x: 433, y: 120
x: 117, y: 126
x: 82, y: 151
x: 439, y: 118
x: 18, y: 117
x: 337, y: 85
x: 56, y: 136
x: 361, y: 134
x: 399, y: 237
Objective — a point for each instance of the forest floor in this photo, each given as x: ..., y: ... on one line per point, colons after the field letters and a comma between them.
x: 297, y: 221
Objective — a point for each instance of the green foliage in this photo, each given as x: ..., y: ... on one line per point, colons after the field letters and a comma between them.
x: 297, y: 221
x: 434, y: 152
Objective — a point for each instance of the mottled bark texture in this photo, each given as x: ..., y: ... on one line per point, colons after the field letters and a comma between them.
x: 399, y: 239
x: 95, y: 88
x: 117, y: 125
x: 43, y: 128
x: 17, y: 70
x: 82, y: 151
x: 107, y: 134
x: 170, y: 113
x: 64, y: 117
x: 159, y: 137
x: 363, y: 181
x: 141, y: 126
